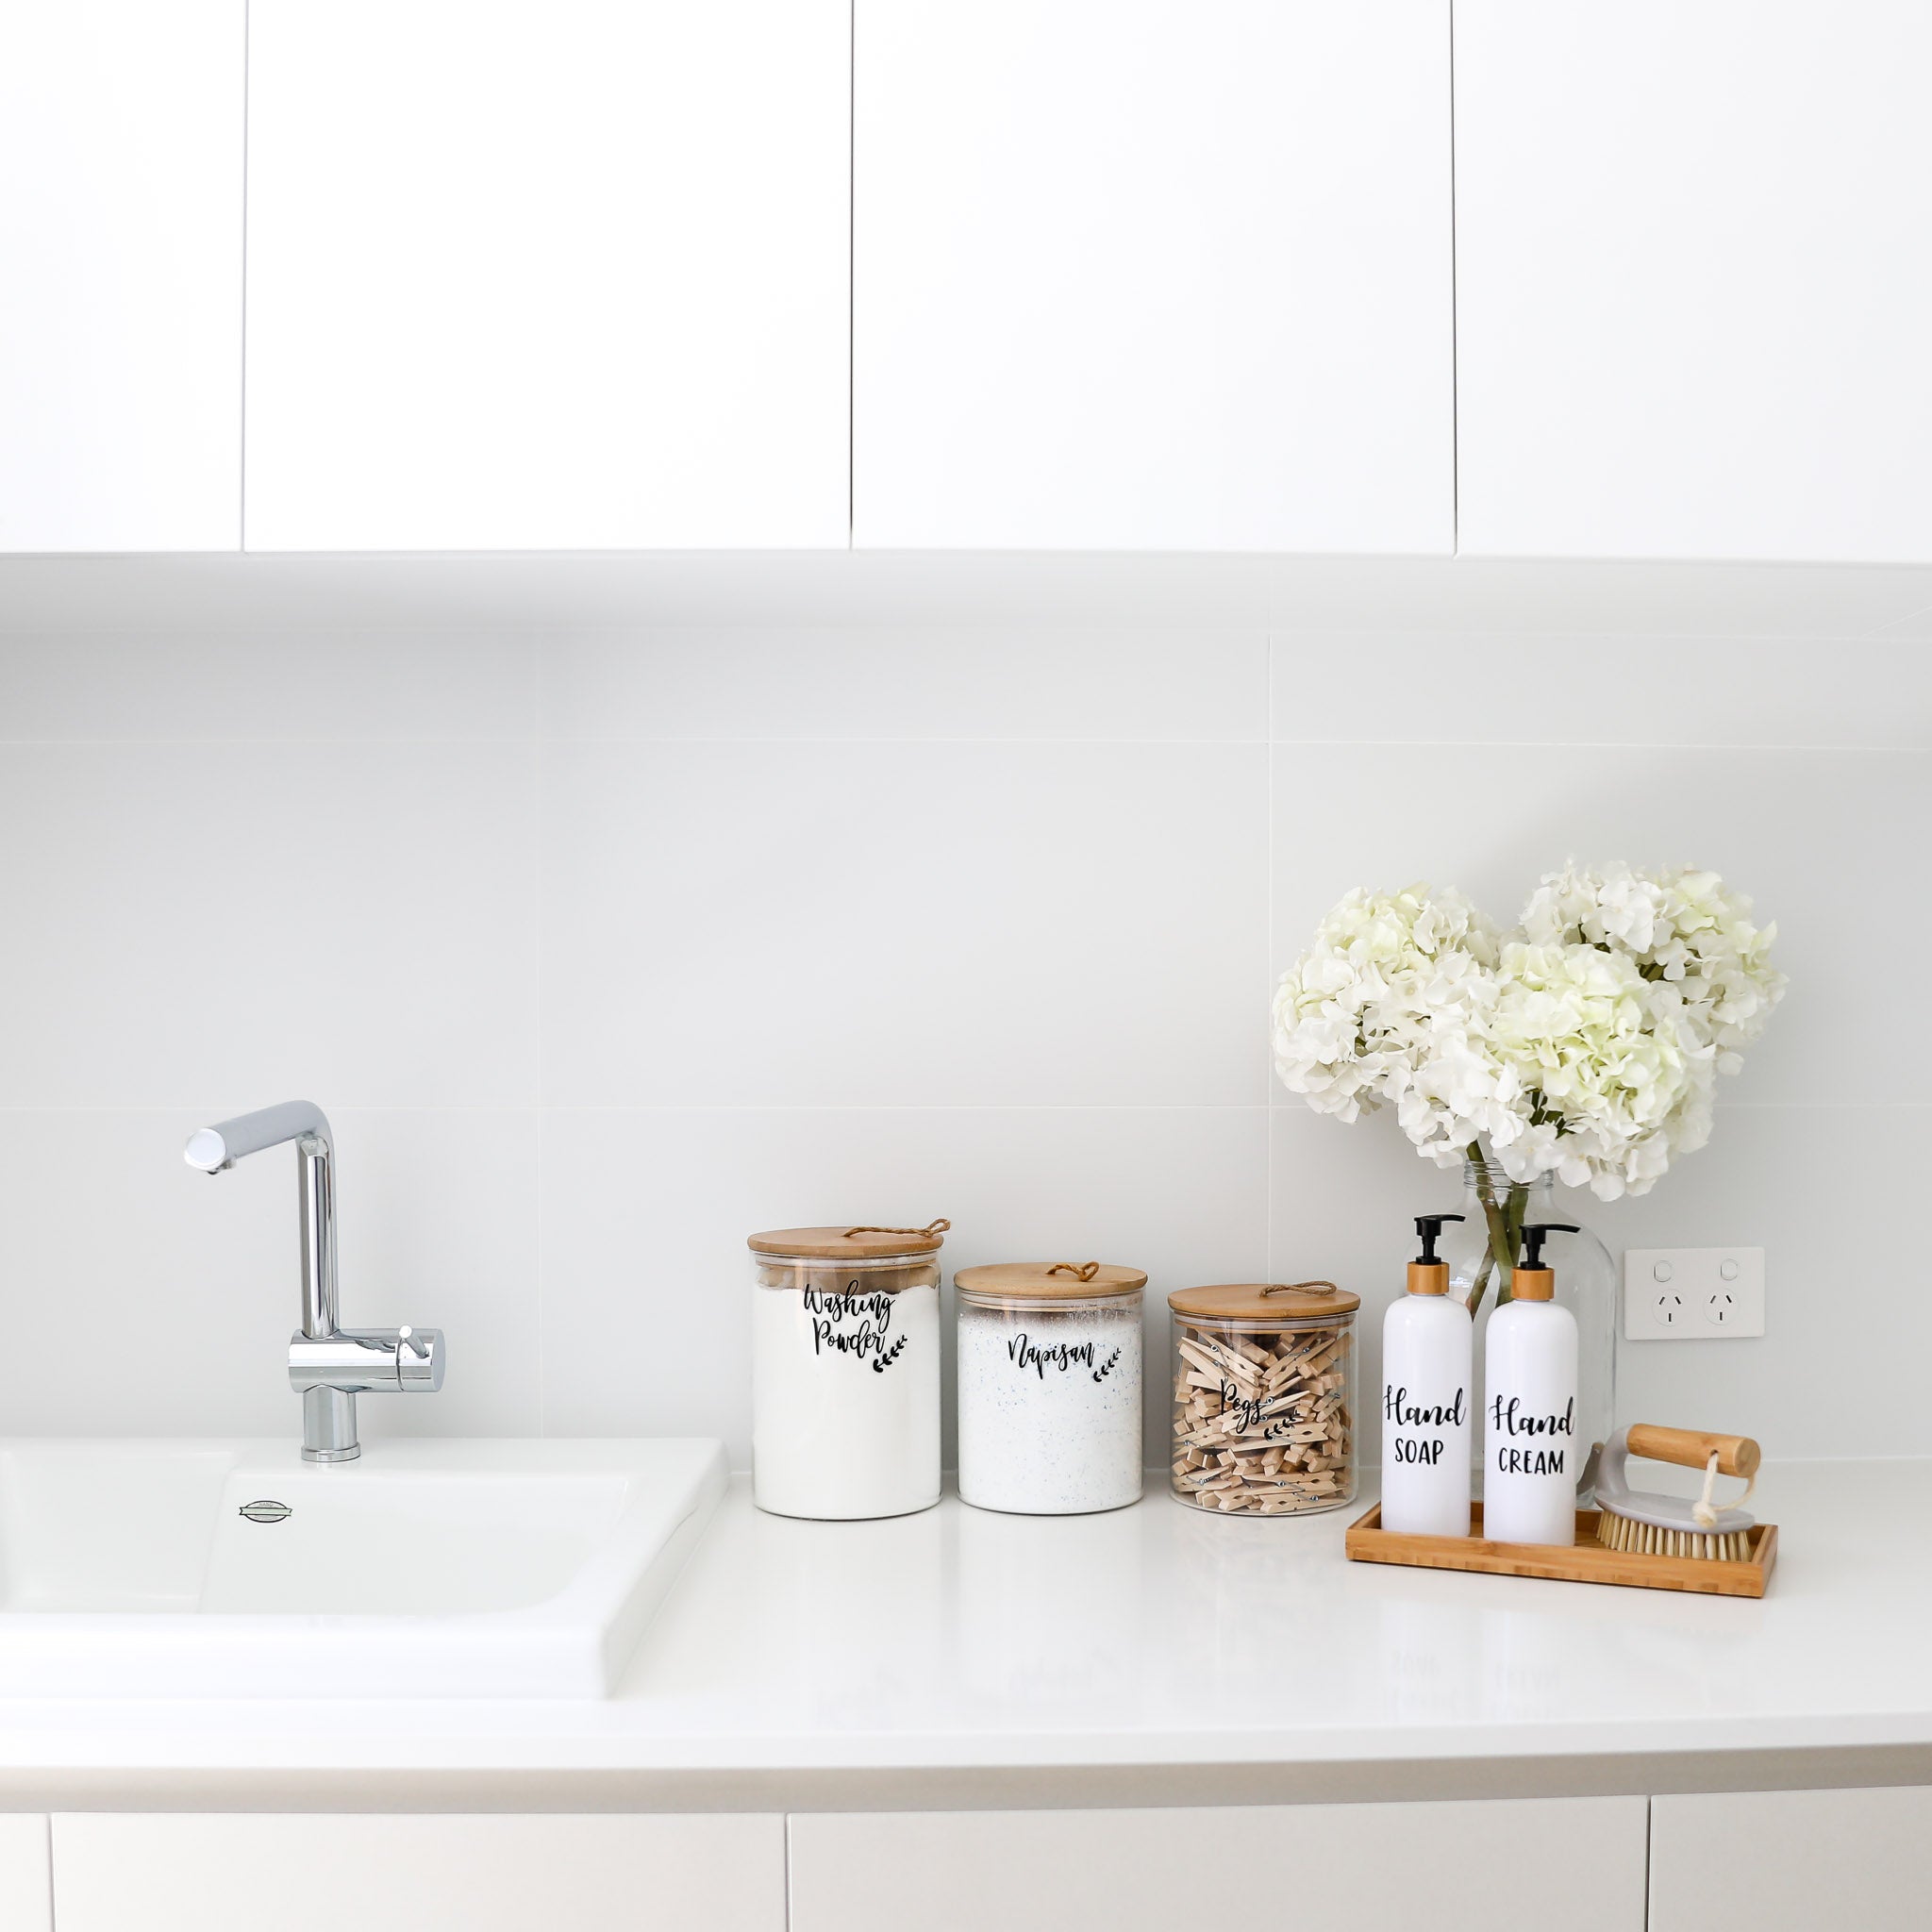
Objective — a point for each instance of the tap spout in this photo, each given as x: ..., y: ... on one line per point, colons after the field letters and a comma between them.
x: 211, y: 1149
x: 328, y: 1365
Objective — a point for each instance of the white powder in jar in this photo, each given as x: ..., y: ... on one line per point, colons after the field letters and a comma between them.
x: 845, y: 1393
x: 1050, y: 1406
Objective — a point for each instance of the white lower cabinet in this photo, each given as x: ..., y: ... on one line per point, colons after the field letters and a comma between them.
x: 26, y: 1892
x: 1498, y: 1865
x: 248, y: 1874
x: 1748, y: 1861
x: 1734, y: 1862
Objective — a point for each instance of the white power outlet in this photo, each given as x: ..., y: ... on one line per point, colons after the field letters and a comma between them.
x: 1692, y: 1294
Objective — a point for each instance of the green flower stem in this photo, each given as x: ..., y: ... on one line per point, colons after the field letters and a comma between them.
x: 1512, y: 1222
x: 1500, y: 1256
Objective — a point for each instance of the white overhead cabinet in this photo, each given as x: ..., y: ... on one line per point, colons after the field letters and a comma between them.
x: 121, y: 274
x: 1694, y: 287
x: 1153, y: 275
x: 547, y: 273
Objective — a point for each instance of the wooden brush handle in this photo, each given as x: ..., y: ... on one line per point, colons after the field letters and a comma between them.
x: 1692, y: 1448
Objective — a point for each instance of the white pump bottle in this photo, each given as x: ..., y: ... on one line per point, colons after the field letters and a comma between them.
x: 1428, y: 1352
x: 1531, y: 1457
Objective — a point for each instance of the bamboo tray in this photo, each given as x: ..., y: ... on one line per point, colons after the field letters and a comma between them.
x: 1586, y: 1561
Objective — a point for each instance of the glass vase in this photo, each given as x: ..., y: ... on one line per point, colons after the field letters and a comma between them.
x: 1496, y: 1210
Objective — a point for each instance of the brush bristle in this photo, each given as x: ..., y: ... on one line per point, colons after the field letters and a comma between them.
x: 1647, y: 1540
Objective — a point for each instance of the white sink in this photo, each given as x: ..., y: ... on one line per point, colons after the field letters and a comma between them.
x: 427, y: 1568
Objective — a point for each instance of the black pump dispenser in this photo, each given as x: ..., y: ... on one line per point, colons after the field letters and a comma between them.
x: 1532, y: 1279
x: 1427, y: 1276
x: 1533, y: 1240
x: 1430, y: 1227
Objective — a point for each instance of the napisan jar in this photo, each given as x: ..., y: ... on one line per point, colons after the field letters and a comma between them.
x: 1049, y: 1386
x: 1264, y: 1396
x: 845, y: 1371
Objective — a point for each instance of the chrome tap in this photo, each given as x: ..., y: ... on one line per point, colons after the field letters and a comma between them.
x: 329, y: 1365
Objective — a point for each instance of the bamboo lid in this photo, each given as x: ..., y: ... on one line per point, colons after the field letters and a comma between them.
x: 850, y: 1244
x: 1265, y: 1303
x: 1039, y: 1281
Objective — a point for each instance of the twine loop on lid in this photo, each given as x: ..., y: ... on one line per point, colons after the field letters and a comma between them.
x: 1300, y: 1288
x: 939, y: 1227
x: 1080, y: 1271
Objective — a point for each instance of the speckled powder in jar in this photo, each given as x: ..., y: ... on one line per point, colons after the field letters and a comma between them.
x: 1050, y: 1419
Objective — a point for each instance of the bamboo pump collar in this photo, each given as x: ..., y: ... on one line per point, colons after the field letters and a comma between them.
x: 1049, y: 1281
x: 1529, y: 1280
x: 1265, y: 1303
x: 850, y: 1244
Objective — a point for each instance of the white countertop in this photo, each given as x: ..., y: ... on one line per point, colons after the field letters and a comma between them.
x: 1152, y: 1654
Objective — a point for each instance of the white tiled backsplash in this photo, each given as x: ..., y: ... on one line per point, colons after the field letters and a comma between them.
x: 604, y: 948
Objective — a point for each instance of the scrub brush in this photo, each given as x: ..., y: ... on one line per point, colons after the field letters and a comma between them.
x: 1652, y: 1525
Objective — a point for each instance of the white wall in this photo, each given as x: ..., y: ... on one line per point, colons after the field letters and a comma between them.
x: 604, y: 944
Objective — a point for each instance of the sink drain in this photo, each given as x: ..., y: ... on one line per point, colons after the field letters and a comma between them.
x: 266, y: 1512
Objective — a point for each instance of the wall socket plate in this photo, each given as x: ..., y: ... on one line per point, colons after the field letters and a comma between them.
x: 1692, y: 1294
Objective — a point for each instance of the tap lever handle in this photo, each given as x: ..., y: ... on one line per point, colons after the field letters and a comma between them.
x: 420, y: 1360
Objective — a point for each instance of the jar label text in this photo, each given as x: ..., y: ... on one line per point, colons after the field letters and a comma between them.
x: 1024, y: 1353
x: 854, y: 1325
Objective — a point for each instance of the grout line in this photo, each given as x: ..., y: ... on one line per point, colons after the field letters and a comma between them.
x: 242, y: 374
x: 490, y: 1110
x: 1043, y: 741
x: 851, y: 270
x: 1455, y: 346
x: 1878, y: 633
x: 462, y: 636
x: 541, y: 774
x: 415, y: 744
x: 1268, y: 966
x: 1283, y: 1102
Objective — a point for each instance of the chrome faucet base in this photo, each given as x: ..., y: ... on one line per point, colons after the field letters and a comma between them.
x: 328, y: 1423
x: 328, y: 1365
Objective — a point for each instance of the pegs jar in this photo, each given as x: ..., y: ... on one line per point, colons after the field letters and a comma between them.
x: 1264, y: 1397
x: 845, y: 1371
x: 1049, y: 1386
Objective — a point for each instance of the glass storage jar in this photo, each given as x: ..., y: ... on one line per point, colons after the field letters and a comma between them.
x: 1264, y: 1397
x: 845, y: 1371
x: 1049, y: 1386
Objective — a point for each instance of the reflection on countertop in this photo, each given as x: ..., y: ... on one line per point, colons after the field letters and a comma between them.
x: 1152, y: 1641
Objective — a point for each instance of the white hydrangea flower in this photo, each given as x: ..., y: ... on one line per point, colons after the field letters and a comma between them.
x: 1611, y: 1069
x: 1683, y: 926
x: 1386, y: 1005
x: 1585, y: 1045
x: 1615, y: 907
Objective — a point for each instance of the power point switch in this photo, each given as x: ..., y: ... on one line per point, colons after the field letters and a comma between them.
x: 1693, y: 1295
